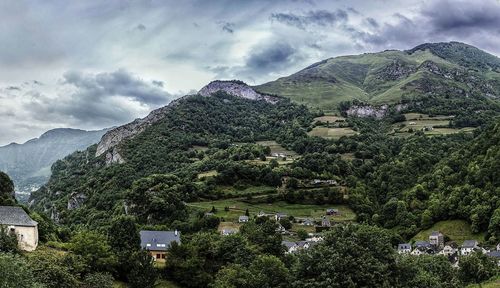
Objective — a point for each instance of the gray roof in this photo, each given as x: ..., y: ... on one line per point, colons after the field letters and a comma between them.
x: 10, y: 215
x: 159, y: 240
x: 422, y: 244
x: 404, y: 246
x: 495, y: 254
x: 469, y: 244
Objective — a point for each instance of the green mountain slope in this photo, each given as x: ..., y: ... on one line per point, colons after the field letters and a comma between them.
x: 393, y: 76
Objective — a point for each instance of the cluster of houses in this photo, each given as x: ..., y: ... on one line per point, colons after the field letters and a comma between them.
x: 296, y: 246
x: 437, y: 246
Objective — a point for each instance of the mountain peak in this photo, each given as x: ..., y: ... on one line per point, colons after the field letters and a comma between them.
x: 235, y: 88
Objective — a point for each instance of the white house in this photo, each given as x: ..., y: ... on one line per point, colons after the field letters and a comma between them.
x: 404, y: 248
x: 16, y: 221
x: 243, y: 219
x: 468, y: 247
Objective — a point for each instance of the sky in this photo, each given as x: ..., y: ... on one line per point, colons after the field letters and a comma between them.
x: 95, y: 64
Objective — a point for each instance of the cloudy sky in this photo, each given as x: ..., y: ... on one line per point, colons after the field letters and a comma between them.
x: 93, y: 64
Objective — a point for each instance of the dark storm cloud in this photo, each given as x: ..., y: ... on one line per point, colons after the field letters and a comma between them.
x: 447, y: 16
x: 316, y: 17
x: 104, y: 98
x: 270, y: 57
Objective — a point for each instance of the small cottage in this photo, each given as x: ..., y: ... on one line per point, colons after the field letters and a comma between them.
x: 158, y: 242
x: 16, y: 221
x: 243, y: 219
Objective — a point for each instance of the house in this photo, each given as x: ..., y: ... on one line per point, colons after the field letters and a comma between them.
x: 404, y: 248
x: 229, y: 231
x: 280, y: 229
x: 436, y: 239
x: 157, y: 242
x: 448, y: 250
x: 332, y: 211
x: 468, y: 247
x: 280, y: 216
x: 16, y: 221
x: 495, y: 255
x: 325, y: 222
x: 293, y: 247
x: 307, y: 222
x: 243, y: 219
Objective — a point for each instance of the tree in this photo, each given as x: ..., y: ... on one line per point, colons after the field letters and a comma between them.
x: 8, y: 241
x: 101, y: 280
x: 7, y: 196
x: 263, y: 272
x: 94, y: 249
x: 302, y: 234
x: 124, y: 240
x: 350, y: 256
x: 143, y: 273
x: 476, y: 267
x: 15, y: 272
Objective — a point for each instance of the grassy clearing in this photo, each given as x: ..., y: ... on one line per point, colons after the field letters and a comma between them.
x: 457, y: 230
x: 276, y: 148
x: 238, y: 208
x: 210, y: 173
x: 332, y: 132
x: 230, y: 191
x: 329, y: 118
x: 492, y: 283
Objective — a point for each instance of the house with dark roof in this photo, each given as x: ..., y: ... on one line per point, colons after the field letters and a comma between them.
x: 404, y: 248
x: 495, y: 255
x: 468, y: 247
x: 158, y: 242
x: 16, y: 221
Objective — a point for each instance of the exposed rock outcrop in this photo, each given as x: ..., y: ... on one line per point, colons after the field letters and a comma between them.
x: 76, y: 200
x: 373, y: 111
x: 236, y: 88
x: 115, y: 136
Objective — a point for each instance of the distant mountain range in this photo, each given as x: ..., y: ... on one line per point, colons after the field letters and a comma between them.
x: 449, y: 69
x: 28, y: 164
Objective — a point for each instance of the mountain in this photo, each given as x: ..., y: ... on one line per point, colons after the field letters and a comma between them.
x: 28, y: 164
x: 451, y: 71
x: 214, y: 145
x: 163, y: 150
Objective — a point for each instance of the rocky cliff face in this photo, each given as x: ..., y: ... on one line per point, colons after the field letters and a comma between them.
x: 115, y: 136
x: 235, y: 88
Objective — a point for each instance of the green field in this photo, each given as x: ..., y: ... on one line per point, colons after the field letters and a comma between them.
x: 232, y: 192
x: 276, y: 148
x: 417, y: 122
x: 492, y: 283
x: 457, y: 230
x: 332, y: 132
x: 238, y: 208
